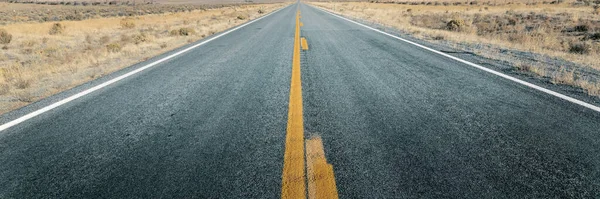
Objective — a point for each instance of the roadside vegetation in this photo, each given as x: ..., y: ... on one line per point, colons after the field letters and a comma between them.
x: 38, y: 59
x: 44, y: 11
x: 558, y: 40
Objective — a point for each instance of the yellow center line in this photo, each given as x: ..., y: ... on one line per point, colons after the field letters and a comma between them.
x: 293, y: 178
x: 304, y: 44
x: 321, y: 181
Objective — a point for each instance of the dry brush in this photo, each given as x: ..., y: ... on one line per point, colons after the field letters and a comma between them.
x: 41, y: 59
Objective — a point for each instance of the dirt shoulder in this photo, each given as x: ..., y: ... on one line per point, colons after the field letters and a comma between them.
x: 554, y: 43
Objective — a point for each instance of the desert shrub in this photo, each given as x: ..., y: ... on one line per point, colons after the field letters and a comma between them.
x: 594, y: 36
x: 511, y: 21
x: 75, y: 17
x: 456, y: 25
x: 241, y: 17
x: 114, y: 47
x: 57, y: 28
x: 261, y: 11
x: 5, y: 37
x: 438, y: 37
x: 127, y: 24
x: 581, y: 28
x: 174, y: 32
x: 579, y: 48
x: 182, y: 32
x: 163, y: 45
x: 186, y: 31
x: 140, y: 38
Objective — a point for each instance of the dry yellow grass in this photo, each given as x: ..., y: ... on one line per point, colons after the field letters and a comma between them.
x: 36, y: 64
x: 567, y: 30
x: 11, y: 13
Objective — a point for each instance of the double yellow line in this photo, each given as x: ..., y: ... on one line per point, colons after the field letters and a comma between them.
x: 321, y: 181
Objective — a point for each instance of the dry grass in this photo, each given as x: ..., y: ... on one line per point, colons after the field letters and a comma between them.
x: 569, y: 30
x: 57, y: 28
x: 37, y: 63
x: 473, y: 2
x: 18, y: 12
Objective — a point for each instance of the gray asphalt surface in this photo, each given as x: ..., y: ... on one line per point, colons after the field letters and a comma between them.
x: 399, y: 121
x: 207, y: 124
x: 396, y: 121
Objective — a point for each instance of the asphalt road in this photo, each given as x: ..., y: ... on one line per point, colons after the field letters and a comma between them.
x: 396, y: 121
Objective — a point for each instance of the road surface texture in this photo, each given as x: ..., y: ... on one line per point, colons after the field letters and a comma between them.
x: 396, y: 121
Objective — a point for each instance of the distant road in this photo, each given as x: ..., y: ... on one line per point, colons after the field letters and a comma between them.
x: 395, y: 120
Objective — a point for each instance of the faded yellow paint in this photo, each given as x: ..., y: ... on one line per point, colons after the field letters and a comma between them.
x: 293, y: 178
x: 321, y: 180
x: 304, y: 44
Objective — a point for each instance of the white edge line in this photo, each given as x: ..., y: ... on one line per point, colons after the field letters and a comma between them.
x: 109, y: 82
x: 536, y: 87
